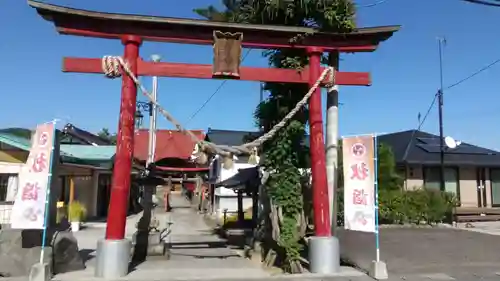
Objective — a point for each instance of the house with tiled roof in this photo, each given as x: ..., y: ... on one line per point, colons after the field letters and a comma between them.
x: 226, y: 199
x: 169, y: 144
x: 86, y: 162
x: 235, y: 138
x: 471, y: 172
x: 84, y: 171
x: 173, y: 153
x: 232, y: 138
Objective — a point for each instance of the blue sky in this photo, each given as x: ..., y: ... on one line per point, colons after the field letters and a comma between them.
x: 404, y: 70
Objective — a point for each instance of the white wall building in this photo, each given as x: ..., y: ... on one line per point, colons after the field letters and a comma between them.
x: 225, y: 199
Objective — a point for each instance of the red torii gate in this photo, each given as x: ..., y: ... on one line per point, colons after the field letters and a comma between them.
x: 133, y: 29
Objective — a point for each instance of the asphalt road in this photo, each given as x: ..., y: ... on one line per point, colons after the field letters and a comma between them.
x: 429, y: 253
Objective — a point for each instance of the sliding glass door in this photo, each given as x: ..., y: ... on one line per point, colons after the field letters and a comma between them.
x: 495, y: 187
x: 451, y: 181
x: 432, y: 179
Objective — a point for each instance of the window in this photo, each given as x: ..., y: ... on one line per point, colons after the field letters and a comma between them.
x: 8, y: 187
x: 401, y: 171
x: 64, y: 183
x: 432, y: 179
x: 495, y: 187
x: 4, y: 179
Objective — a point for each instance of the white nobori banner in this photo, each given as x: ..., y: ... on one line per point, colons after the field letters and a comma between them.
x: 29, y: 207
x: 359, y: 183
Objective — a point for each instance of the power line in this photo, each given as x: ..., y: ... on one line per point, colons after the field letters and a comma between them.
x: 421, y: 123
x: 473, y: 74
x: 493, y: 3
x: 428, y: 112
x: 372, y: 4
x: 214, y: 93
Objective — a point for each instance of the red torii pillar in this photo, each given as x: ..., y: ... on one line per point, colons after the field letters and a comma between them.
x: 317, y: 150
x: 120, y: 190
x: 113, y: 252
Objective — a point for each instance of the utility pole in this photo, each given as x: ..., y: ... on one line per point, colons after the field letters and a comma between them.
x: 153, y: 113
x: 441, y: 44
x: 148, y: 220
x: 332, y: 139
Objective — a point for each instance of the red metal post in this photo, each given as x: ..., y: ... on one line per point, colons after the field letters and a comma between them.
x: 318, y: 156
x: 120, y: 189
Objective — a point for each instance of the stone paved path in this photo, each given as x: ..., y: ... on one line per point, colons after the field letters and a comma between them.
x: 195, y: 251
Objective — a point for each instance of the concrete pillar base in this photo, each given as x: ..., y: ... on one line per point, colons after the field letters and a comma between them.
x: 113, y: 258
x: 378, y: 270
x: 324, y: 255
x: 40, y: 272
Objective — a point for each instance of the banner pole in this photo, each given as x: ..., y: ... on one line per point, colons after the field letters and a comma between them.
x: 375, y: 158
x: 47, y: 194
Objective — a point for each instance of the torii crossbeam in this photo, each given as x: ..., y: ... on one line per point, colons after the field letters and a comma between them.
x: 132, y: 30
x: 204, y: 71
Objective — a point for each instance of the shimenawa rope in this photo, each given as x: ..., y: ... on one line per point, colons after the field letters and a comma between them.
x: 113, y: 66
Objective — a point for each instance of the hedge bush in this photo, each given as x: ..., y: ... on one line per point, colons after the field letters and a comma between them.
x: 416, y: 206
x: 421, y: 206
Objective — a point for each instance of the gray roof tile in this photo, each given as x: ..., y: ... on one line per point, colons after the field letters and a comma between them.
x: 417, y: 147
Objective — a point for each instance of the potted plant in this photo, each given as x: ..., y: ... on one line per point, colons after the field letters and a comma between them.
x: 76, y: 214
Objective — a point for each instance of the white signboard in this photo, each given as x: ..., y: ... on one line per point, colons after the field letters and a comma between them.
x: 29, y: 209
x: 359, y: 183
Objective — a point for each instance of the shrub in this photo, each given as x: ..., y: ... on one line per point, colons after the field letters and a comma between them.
x: 231, y: 219
x: 62, y: 213
x: 76, y: 211
x: 413, y: 206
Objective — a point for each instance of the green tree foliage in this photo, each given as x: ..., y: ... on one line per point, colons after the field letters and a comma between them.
x: 388, y: 179
x: 105, y: 134
x: 415, y: 206
x: 331, y: 15
x: 398, y: 206
x: 284, y: 154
